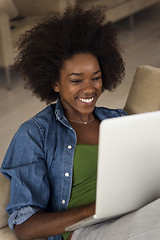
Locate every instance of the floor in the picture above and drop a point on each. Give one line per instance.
(141, 46)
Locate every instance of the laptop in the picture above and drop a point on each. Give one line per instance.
(128, 174)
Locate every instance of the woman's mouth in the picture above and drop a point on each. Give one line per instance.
(86, 100)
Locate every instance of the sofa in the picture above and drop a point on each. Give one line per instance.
(144, 96)
(17, 16)
(117, 9)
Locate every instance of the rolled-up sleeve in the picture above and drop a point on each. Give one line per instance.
(25, 166)
(20, 216)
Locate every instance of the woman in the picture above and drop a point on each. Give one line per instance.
(52, 158)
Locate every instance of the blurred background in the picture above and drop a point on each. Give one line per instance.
(139, 36)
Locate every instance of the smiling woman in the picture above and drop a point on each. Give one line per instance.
(52, 160)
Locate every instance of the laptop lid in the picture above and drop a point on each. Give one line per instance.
(128, 164)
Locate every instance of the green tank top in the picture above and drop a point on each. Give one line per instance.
(84, 177)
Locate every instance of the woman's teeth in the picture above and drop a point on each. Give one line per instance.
(86, 100)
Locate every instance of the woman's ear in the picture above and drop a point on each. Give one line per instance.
(56, 87)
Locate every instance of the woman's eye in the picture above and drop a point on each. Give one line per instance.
(96, 78)
(76, 81)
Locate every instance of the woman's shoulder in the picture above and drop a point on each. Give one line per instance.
(47, 111)
(109, 112)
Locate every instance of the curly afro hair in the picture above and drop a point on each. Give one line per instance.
(59, 36)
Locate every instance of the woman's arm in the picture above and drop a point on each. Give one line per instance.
(44, 224)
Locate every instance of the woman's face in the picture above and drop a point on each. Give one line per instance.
(80, 85)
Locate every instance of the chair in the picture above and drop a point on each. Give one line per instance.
(144, 96)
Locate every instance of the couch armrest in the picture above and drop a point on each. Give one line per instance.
(7, 234)
(4, 199)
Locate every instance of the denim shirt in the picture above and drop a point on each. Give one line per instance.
(39, 162)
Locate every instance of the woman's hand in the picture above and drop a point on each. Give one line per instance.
(89, 209)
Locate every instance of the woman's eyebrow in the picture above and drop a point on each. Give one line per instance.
(97, 71)
(75, 74)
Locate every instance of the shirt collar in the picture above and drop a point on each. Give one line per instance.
(60, 113)
(59, 110)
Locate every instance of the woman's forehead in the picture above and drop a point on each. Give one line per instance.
(81, 62)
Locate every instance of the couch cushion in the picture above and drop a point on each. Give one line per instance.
(144, 95)
(8, 7)
(4, 199)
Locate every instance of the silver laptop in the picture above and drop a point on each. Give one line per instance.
(128, 174)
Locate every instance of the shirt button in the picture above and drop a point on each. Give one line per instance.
(63, 201)
(66, 174)
(69, 146)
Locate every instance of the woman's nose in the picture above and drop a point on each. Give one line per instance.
(88, 88)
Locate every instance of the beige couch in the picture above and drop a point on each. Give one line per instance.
(144, 96)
